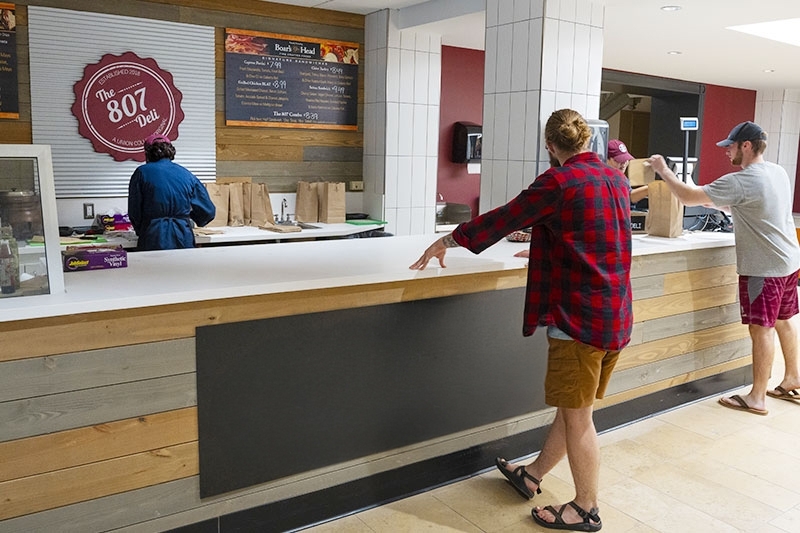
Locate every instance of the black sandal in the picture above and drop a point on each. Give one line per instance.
(591, 518)
(517, 477)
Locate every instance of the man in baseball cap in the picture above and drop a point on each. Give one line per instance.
(619, 157)
(618, 152)
(767, 257)
(746, 131)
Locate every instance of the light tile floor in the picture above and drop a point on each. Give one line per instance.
(699, 468)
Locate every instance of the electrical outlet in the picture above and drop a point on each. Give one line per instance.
(356, 185)
(88, 211)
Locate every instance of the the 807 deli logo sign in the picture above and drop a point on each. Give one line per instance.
(121, 100)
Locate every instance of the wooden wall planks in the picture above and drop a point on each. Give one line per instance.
(74, 447)
(95, 480)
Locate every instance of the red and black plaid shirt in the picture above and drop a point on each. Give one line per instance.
(580, 256)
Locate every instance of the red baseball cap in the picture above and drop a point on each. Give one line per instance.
(618, 151)
(156, 138)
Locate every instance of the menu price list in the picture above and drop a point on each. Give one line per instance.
(286, 90)
(9, 96)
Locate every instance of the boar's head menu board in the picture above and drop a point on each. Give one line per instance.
(9, 96)
(289, 81)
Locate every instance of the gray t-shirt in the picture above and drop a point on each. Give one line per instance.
(760, 197)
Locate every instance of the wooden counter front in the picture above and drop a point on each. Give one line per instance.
(98, 387)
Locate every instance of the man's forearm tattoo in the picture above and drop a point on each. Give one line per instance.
(449, 241)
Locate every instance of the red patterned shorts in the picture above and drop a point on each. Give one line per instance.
(763, 301)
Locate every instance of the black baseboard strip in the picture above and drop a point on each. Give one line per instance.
(382, 488)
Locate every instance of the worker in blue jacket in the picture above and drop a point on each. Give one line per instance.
(164, 198)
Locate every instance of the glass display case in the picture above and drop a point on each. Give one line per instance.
(30, 253)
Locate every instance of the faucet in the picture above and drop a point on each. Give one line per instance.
(284, 205)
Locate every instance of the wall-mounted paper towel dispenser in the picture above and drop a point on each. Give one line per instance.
(467, 142)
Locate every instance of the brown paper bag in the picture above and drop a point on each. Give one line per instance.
(665, 214)
(307, 202)
(280, 228)
(219, 196)
(235, 205)
(331, 203)
(640, 173)
(246, 192)
(260, 205)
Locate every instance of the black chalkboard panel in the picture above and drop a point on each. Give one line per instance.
(9, 97)
(288, 81)
(286, 395)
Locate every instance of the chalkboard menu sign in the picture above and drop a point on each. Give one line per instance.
(289, 81)
(9, 96)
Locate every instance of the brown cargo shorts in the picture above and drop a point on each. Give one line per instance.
(576, 373)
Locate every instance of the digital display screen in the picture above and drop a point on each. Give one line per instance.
(688, 123)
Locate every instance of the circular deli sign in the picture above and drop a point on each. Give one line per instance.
(121, 100)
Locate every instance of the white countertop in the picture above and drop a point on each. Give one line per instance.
(175, 276)
(253, 234)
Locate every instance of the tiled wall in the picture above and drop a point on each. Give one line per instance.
(778, 112)
(401, 126)
(541, 55)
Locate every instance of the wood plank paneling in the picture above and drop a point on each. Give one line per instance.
(673, 304)
(70, 410)
(692, 280)
(635, 376)
(684, 281)
(667, 347)
(631, 394)
(66, 449)
(240, 152)
(45, 491)
(242, 136)
(686, 322)
(16, 132)
(86, 370)
(165, 501)
(652, 264)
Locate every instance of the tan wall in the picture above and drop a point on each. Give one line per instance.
(276, 156)
(98, 420)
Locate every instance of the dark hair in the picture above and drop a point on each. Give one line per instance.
(568, 130)
(158, 151)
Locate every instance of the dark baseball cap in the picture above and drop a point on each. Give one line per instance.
(746, 131)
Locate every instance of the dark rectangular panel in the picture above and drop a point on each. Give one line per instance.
(281, 396)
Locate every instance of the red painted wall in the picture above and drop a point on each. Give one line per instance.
(723, 108)
(461, 101)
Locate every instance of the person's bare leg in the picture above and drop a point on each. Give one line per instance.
(763, 340)
(553, 451)
(787, 333)
(583, 453)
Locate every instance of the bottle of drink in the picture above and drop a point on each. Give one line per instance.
(8, 274)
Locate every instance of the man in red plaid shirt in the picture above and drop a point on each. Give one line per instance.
(579, 288)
